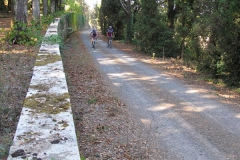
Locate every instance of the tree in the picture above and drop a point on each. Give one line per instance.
(19, 19)
(183, 23)
(205, 32)
(126, 4)
(216, 27)
(147, 27)
(111, 13)
(58, 5)
(229, 39)
(2, 6)
(36, 10)
(94, 15)
(20, 8)
(45, 7)
(53, 6)
(9, 4)
(171, 12)
(18, 22)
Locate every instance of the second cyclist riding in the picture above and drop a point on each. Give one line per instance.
(94, 35)
(110, 36)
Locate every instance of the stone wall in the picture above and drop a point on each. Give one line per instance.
(46, 128)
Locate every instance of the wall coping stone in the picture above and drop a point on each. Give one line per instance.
(46, 128)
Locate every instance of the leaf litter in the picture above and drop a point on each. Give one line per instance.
(104, 125)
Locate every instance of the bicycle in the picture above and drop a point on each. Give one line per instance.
(110, 42)
(93, 43)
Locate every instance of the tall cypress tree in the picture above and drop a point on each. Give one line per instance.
(111, 15)
(229, 39)
(147, 26)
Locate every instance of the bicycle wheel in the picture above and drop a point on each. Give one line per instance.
(110, 43)
(93, 44)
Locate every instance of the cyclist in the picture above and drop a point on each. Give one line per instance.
(93, 34)
(110, 33)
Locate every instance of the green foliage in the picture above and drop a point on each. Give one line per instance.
(229, 39)
(94, 15)
(83, 158)
(146, 27)
(166, 42)
(53, 39)
(151, 32)
(204, 32)
(7, 114)
(219, 31)
(47, 20)
(111, 13)
(2, 30)
(22, 34)
(4, 146)
(77, 21)
(73, 6)
(92, 100)
(183, 28)
(238, 90)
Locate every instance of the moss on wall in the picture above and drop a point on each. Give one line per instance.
(48, 103)
(46, 58)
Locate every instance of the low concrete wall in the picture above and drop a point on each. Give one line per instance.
(46, 128)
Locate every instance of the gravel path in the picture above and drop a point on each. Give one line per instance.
(188, 122)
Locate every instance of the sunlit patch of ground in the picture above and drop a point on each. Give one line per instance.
(185, 72)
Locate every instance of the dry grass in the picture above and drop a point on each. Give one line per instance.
(15, 75)
(16, 64)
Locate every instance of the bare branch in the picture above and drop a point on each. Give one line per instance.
(124, 6)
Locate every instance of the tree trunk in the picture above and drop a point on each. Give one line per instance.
(36, 10)
(53, 6)
(184, 19)
(128, 10)
(20, 10)
(12, 12)
(129, 28)
(171, 14)
(182, 48)
(58, 5)
(45, 7)
(9, 5)
(20, 18)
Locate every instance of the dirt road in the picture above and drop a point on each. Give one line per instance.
(187, 122)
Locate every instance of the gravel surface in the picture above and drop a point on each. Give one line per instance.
(104, 125)
(186, 122)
